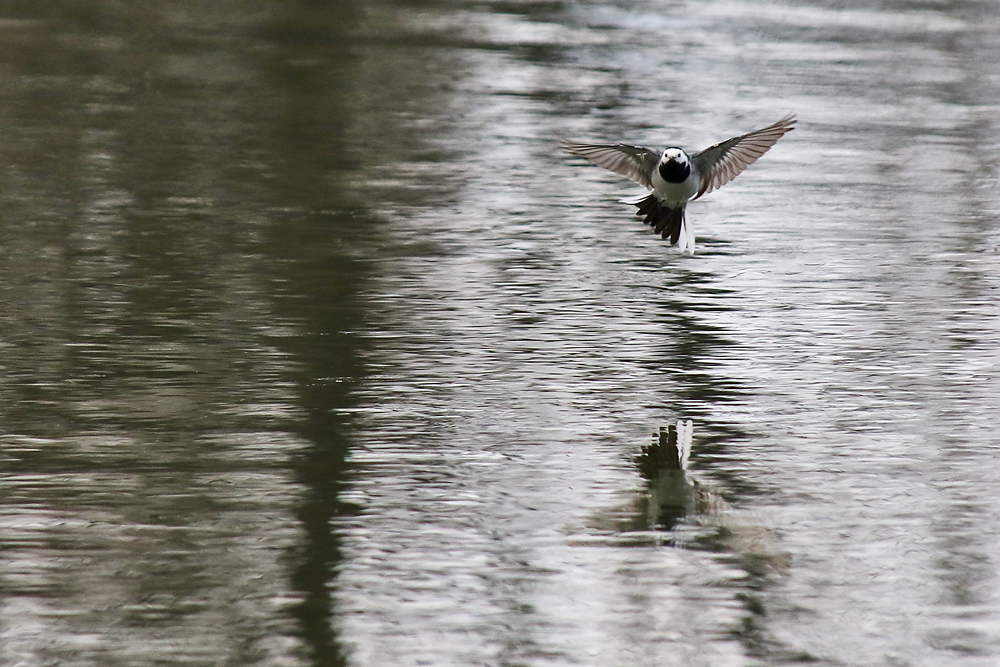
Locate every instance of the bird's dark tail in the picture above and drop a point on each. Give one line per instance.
(664, 220)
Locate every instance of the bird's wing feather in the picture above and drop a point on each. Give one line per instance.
(724, 161)
(635, 162)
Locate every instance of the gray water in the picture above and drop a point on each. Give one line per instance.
(316, 350)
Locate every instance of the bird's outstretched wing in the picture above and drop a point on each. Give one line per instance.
(635, 162)
(724, 161)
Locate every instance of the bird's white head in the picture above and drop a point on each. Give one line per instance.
(675, 166)
(674, 155)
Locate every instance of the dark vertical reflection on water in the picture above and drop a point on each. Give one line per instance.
(141, 405)
(179, 292)
(690, 360)
(327, 370)
(318, 287)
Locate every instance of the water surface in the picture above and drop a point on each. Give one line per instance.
(316, 351)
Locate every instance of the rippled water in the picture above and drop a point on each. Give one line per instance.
(317, 351)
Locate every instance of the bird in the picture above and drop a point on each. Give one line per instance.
(676, 177)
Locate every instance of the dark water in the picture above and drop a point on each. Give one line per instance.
(315, 351)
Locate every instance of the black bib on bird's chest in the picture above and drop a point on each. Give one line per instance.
(675, 172)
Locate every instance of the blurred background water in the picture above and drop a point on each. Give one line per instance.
(316, 351)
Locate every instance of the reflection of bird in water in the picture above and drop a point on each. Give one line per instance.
(681, 507)
(669, 495)
(676, 178)
(664, 464)
(677, 494)
(674, 493)
(670, 450)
